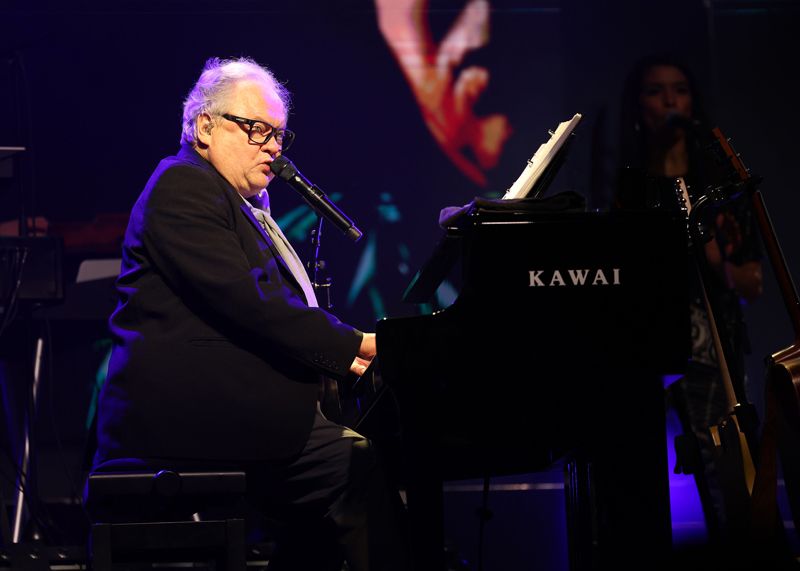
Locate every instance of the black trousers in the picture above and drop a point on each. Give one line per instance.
(333, 500)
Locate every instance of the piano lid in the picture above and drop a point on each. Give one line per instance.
(456, 221)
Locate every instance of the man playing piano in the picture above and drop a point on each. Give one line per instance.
(219, 343)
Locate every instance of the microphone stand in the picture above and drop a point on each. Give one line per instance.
(320, 282)
(329, 400)
(348, 403)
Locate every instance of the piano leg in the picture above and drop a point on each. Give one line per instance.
(425, 500)
(617, 489)
(581, 520)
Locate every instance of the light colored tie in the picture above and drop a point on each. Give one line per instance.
(287, 253)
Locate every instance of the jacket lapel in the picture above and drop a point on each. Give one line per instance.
(187, 153)
(260, 229)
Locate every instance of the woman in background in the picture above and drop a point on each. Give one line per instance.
(664, 138)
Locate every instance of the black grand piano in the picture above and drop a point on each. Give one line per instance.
(554, 351)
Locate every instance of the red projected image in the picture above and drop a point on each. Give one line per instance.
(445, 89)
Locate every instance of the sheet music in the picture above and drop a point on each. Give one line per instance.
(543, 157)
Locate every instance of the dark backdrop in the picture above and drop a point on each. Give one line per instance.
(94, 90)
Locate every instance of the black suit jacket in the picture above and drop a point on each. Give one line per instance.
(216, 353)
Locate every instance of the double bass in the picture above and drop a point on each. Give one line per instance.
(781, 429)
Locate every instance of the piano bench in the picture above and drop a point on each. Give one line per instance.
(154, 517)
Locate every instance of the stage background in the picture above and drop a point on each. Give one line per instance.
(94, 91)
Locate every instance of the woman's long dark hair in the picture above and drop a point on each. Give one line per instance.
(633, 136)
(635, 186)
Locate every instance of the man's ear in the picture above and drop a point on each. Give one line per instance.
(204, 126)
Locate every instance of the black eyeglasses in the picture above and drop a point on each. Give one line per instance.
(260, 132)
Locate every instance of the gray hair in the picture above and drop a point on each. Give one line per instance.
(219, 77)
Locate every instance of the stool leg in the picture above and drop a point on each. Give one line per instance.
(100, 547)
(235, 545)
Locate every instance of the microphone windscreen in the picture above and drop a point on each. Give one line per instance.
(676, 120)
(283, 167)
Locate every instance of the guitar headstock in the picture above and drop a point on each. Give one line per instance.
(730, 159)
(696, 230)
(685, 205)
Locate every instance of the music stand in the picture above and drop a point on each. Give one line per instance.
(31, 275)
(6, 171)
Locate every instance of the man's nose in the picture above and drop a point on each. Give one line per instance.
(272, 147)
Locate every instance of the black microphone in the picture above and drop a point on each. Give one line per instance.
(676, 120)
(698, 134)
(315, 198)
